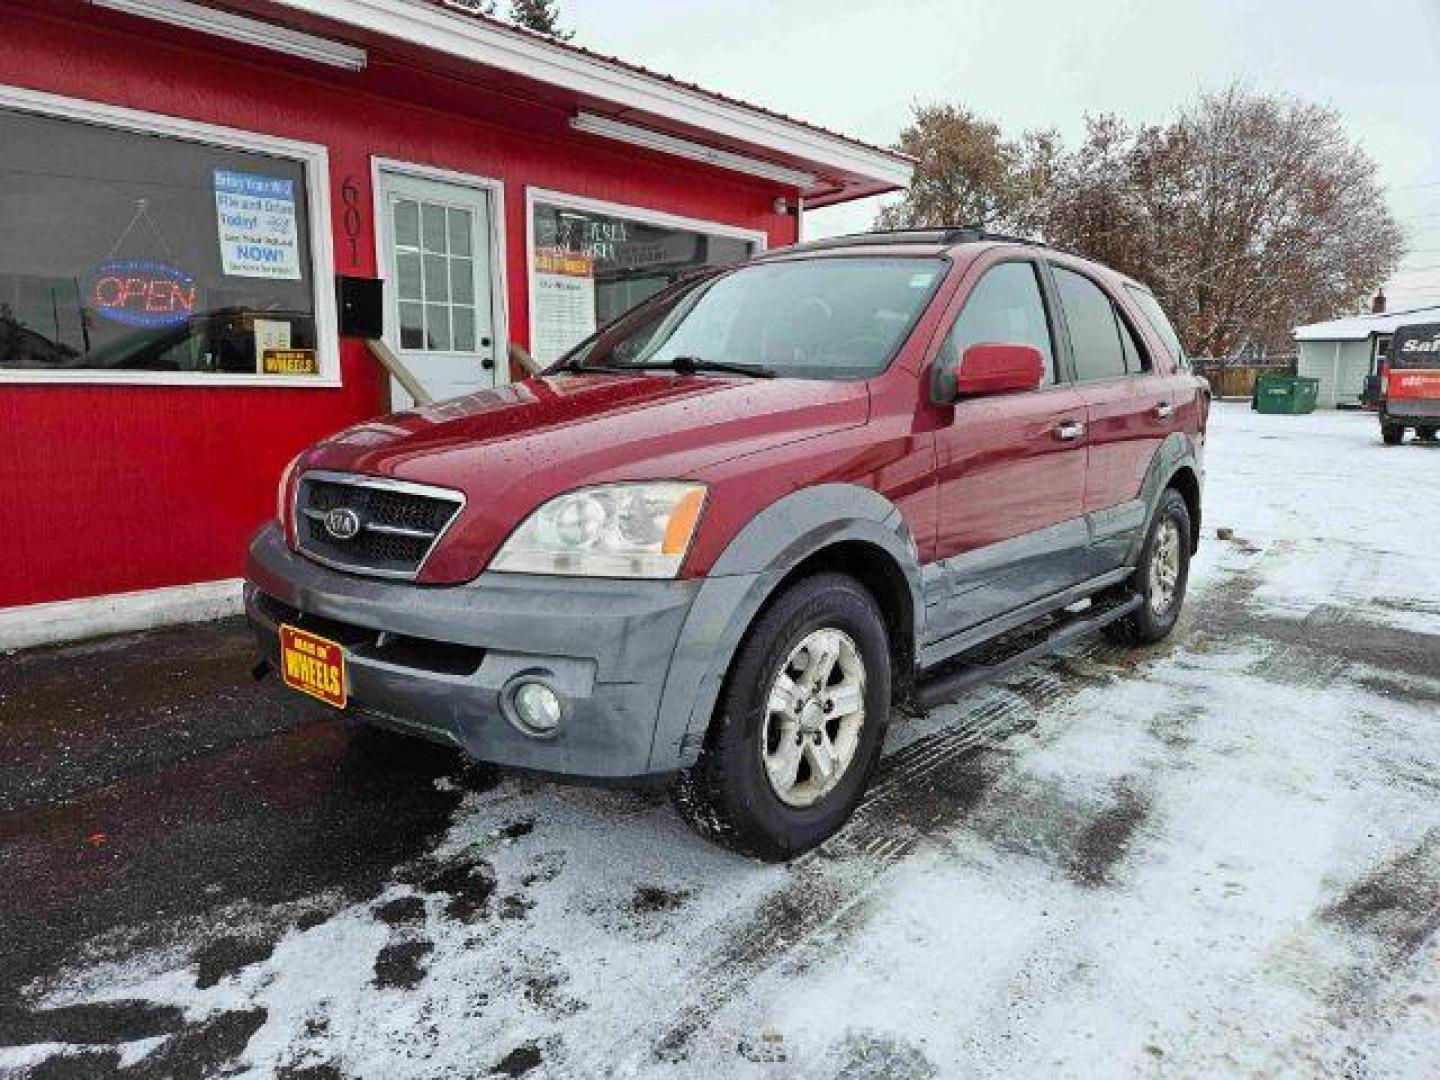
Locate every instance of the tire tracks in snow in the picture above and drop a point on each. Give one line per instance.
(932, 783)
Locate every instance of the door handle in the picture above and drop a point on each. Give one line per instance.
(1069, 431)
(1164, 410)
(488, 363)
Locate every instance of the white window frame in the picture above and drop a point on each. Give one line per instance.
(499, 281)
(315, 160)
(640, 214)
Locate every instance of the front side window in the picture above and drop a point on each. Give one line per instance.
(1005, 308)
(827, 318)
(1095, 329)
(122, 251)
(590, 267)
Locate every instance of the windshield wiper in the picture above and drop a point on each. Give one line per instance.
(694, 365)
(681, 365)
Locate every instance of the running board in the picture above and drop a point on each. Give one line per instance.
(1000, 657)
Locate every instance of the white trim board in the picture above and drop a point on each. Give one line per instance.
(456, 34)
(119, 613)
(313, 157)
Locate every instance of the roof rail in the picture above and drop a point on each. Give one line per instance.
(957, 234)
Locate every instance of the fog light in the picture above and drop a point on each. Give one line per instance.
(537, 707)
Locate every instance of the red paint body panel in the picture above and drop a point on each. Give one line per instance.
(1408, 384)
(180, 476)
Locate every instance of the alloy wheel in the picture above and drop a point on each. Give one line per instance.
(814, 715)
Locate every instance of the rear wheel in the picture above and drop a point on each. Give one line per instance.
(1426, 434)
(799, 724)
(1392, 434)
(1161, 578)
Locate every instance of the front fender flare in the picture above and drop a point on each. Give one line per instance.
(745, 577)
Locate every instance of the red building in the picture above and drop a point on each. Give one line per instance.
(183, 184)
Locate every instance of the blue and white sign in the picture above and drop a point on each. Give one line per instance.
(258, 236)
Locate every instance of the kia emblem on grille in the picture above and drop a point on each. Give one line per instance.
(342, 523)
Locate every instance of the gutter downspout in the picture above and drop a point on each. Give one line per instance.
(1335, 383)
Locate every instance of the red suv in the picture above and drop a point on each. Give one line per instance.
(724, 536)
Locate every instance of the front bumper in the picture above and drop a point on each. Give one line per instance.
(437, 661)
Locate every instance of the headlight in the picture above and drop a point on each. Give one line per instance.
(282, 503)
(619, 530)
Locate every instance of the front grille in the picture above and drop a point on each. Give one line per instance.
(399, 523)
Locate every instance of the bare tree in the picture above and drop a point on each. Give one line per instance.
(1247, 213)
(969, 174)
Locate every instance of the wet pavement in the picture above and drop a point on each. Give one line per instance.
(1235, 836)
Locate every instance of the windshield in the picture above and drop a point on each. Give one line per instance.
(835, 318)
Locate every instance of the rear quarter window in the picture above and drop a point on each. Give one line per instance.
(1155, 315)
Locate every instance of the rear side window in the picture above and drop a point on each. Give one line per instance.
(1155, 314)
(1095, 329)
(1005, 308)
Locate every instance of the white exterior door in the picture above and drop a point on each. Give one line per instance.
(436, 245)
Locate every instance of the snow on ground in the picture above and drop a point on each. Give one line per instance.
(1218, 857)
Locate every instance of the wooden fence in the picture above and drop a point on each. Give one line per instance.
(1236, 378)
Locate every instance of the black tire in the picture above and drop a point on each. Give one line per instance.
(1146, 625)
(727, 796)
(1425, 434)
(1392, 434)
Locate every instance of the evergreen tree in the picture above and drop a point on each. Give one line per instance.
(542, 16)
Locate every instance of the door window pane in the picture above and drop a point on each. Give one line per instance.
(412, 326)
(1094, 332)
(461, 227)
(437, 279)
(1162, 325)
(437, 328)
(124, 251)
(591, 267)
(1005, 308)
(432, 228)
(462, 281)
(407, 223)
(408, 276)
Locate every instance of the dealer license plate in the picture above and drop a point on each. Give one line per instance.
(312, 665)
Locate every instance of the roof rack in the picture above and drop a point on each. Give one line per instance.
(956, 234)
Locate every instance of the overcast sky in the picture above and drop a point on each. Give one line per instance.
(858, 65)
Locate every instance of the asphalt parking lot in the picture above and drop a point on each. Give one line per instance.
(1217, 857)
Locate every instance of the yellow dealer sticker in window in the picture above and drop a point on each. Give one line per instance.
(290, 362)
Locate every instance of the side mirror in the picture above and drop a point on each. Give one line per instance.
(999, 369)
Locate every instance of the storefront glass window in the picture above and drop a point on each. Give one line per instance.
(592, 267)
(122, 251)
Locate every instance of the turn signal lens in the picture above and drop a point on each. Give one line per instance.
(683, 520)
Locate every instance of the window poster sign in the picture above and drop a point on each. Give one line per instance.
(256, 219)
(563, 303)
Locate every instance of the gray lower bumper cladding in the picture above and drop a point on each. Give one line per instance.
(443, 661)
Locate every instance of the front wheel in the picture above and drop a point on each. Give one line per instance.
(1426, 434)
(1392, 434)
(1161, 577)
(799, 724)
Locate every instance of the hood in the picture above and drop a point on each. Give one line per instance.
(512, 448)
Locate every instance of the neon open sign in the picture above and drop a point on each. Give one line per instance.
(143, 292)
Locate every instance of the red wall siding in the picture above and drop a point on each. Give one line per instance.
(115, 488)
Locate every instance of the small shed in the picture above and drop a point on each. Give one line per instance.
(1342, 352)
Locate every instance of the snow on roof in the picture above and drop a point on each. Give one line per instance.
(1360, 327)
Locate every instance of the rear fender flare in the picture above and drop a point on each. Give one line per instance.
(745, 577)
(1174, 455)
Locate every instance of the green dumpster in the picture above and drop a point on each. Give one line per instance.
(1289, 394)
